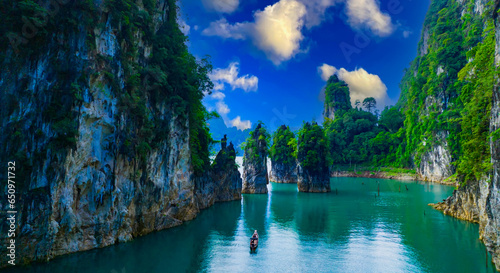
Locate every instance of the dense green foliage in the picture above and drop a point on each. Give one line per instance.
(478, 77)
(312, 152)
(446, 92)
(337, 96)
(256, 147)
(358, 136)
(369, 104)
(284, 148)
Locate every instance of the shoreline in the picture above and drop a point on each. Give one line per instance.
(391, 175)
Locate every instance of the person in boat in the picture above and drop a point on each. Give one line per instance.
(254, 239)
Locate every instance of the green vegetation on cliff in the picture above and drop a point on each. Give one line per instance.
(256, 147)
(449, 90)
(478, 78)
(445, 101)
(284, 148)
(337, 96)
(356, 135)
(169, 78)
(312, 152)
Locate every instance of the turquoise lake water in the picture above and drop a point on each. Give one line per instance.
(350, 229)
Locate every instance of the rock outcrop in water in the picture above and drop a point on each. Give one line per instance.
(312, 171)
(105, 148)
(312, 181)
(223, 181)
(283, 156)
(283, 173)
(255, 177)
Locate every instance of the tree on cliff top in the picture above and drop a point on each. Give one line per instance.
(256, 146)
(369, 103)
(337, 97)
(312, 148)
(284, 148)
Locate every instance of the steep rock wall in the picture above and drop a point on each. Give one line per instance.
(223, 181)
(479, 201)
(283, 173)
(255, 175)
(312, 182)
(436, 163)
(84, 180)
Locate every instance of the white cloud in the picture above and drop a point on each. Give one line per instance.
(230, 75)
(222, 28)
(366, 13)
(361, 83)
(224, 6)
(276, 30)
(316, 10)
(406, 33)
(240, 124)
(326, 71)
(222, 108)
(218, 95)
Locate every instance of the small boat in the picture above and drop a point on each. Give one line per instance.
(254, 242)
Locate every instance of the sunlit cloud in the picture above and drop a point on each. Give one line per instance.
(361, 83)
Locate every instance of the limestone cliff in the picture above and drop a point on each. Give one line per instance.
(312, 170)
(312, 182)
(223, 181)
(100, 135)
(255, 176)
(337, 97)
(283, 156)
(436, 162)
(283, 173)
(478, 200)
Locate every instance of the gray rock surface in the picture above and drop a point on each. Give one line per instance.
(255, 176)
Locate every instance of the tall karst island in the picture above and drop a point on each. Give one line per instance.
(313, 166)
(283, 155)
(255, 175)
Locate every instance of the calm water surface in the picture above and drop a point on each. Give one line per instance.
(349, 231)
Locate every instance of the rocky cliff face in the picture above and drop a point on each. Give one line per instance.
(337, 97)
(479, 201)
(91, 169)
(223, 181)
(283, 156)
(313, 174)
(255, 176)
(312, 182)
(283, 173)
(436, 163)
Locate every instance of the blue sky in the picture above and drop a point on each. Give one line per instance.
(271, 58)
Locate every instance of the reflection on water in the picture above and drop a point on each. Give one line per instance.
(355, 230)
